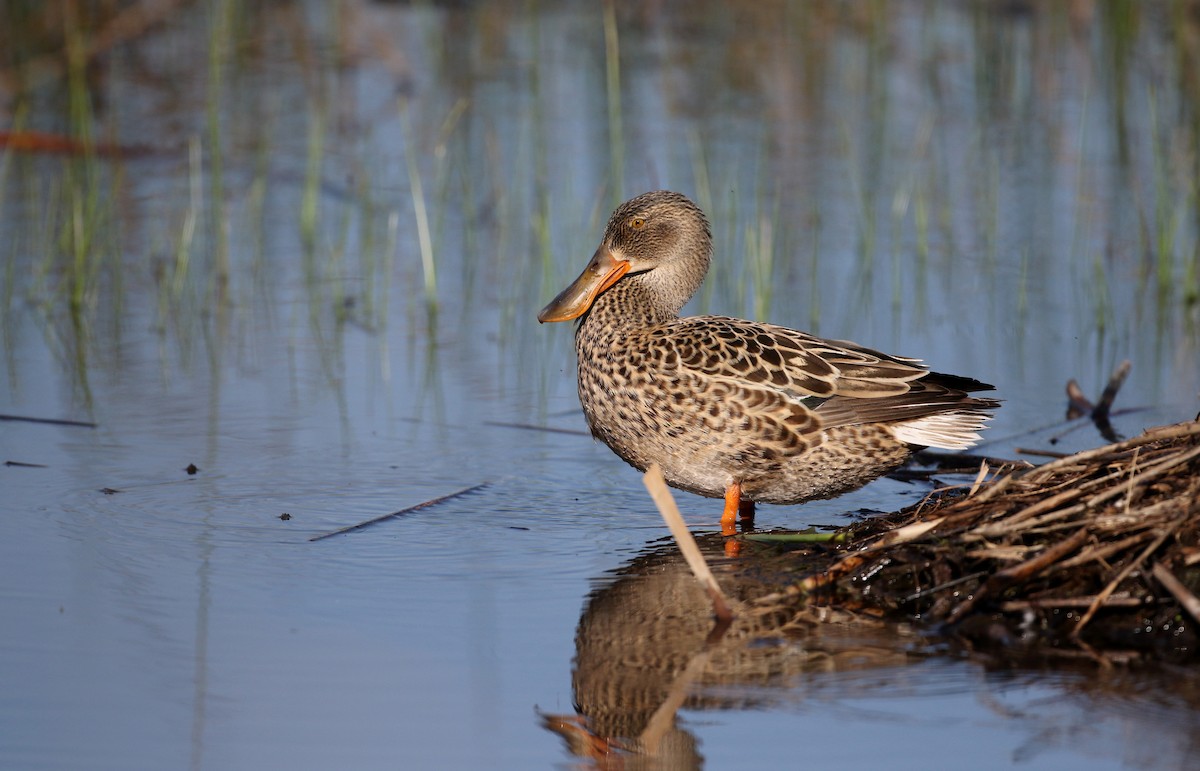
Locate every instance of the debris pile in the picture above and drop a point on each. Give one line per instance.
(1096, 552)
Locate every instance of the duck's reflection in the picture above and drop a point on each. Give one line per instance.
(647, 645)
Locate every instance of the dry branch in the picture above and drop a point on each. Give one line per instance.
(657, 486)
(1075, 548)
(1173, 585)
(401, 512)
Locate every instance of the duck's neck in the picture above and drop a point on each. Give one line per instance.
(629, 305)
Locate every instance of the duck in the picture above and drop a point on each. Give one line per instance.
(747, 411)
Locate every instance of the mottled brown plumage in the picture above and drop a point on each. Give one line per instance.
(741, 409)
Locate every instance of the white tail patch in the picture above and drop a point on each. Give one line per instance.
(945, 430)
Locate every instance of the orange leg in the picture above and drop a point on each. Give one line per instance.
(733, 503)
(736, 508)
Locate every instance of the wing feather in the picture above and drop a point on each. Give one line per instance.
(788, 385)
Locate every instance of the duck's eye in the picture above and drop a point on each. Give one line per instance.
(637, 223)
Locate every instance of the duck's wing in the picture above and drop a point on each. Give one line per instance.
(937, 411)
(782, 359)
(790, 385)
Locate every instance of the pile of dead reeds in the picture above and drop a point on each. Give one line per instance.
(1094, 550)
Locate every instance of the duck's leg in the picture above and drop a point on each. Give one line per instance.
(733, 504)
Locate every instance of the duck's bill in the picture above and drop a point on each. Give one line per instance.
(604, 270)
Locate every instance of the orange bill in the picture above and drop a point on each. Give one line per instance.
(601, 272)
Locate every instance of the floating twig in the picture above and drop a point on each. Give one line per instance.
(831, 537)
(533, 427)
(401, 512)
(958, 460)
(1040, 453)
(48, 421)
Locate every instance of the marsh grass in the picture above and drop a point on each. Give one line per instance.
(9, 260)
(1091, 261)
(254, 222)
(908, 210)
(82, 213)
(443, 177)
(864, 203)
(814, 271)
(1169, 209)
(363, 306)
(760, 253)
(220, 34)
(310, 197)
(420, 213)
(171, 292)
(468, 206)
(382, 302)
(704, 192)
(612, 82)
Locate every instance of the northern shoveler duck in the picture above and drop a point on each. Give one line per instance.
(738, 409)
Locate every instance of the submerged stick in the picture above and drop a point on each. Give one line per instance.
(401, 512)
(657, 486)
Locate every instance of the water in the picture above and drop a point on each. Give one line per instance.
(1005, 190)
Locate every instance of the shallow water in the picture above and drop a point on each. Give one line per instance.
(1007, 190)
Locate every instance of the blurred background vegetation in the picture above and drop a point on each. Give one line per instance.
(873, 169)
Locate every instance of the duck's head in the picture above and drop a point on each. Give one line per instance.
(659, 241)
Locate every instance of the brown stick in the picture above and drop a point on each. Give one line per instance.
(1112, 585)
(532, 427)
(1147, 474)
(1173, 585)
(657, 487)
(1103, 552)
(1152, 435)
(1100, 411)
(1020, 572)
(1078, 405)
(1017, 606)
